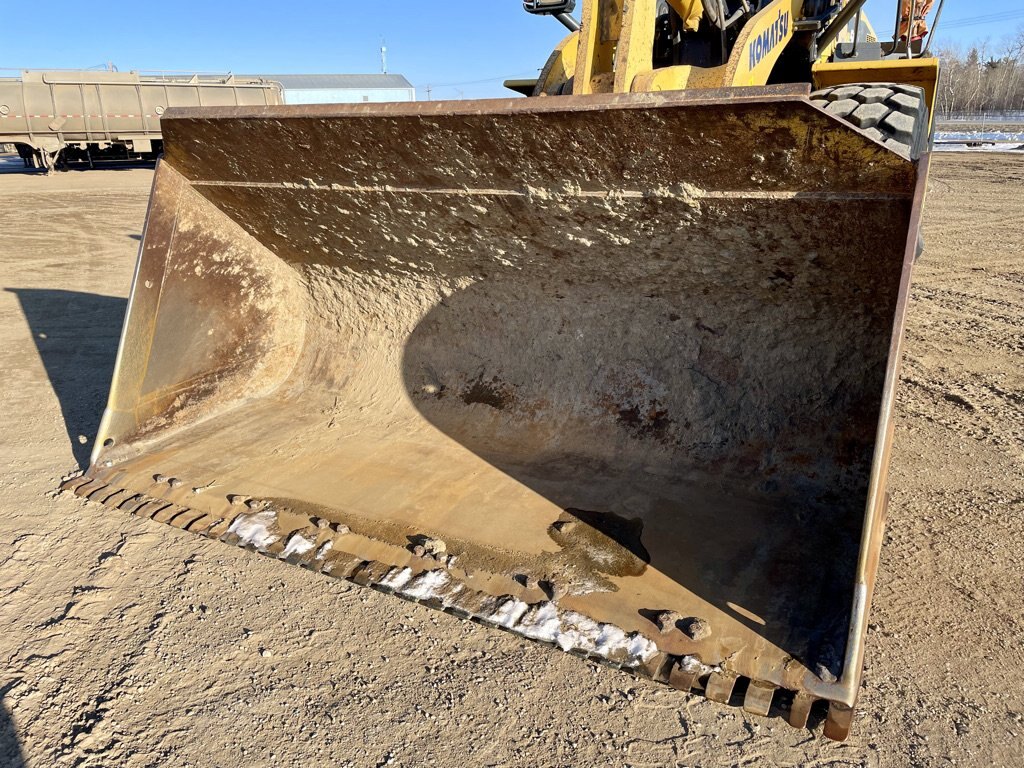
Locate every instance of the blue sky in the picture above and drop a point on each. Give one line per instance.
(462, 49)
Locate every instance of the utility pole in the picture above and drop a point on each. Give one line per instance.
(383, 57)
(429, 89)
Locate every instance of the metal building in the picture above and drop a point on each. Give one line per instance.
(342, 89)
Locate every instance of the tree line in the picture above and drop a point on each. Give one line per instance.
(981, 79)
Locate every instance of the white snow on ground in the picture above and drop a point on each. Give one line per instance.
(508, 613)
(997, 141)
(297, 545)
(421, 587)
(427, 584)
(574, 631)
(540, 621)
(998, 147)
(544, 622)
(324, 549)
(397, 578)
(255, 529)
(693, 664)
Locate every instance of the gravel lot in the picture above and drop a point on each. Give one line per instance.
(129, 643)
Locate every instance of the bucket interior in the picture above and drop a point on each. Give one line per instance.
(648, 379)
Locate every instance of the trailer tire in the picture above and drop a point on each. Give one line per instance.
(892, 113)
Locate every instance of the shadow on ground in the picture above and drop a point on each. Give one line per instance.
(10, 748)
(11, 164)
(77, 336)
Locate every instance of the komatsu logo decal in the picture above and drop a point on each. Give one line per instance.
(761, 45)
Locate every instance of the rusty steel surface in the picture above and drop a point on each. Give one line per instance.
(614, 372)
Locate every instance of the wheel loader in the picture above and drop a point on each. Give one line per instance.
(611, 367)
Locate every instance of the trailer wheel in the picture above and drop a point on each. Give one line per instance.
(892, 113)
(46, 160)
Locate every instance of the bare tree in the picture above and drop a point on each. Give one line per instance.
(979, 81)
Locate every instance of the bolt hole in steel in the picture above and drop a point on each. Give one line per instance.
(4, 109)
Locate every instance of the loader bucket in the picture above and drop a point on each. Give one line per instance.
(613, 372)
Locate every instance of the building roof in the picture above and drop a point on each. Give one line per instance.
(309, 82)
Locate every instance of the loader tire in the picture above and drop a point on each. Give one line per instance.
(894, 114)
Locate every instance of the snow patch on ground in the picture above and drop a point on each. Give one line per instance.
(324, 549)
(427, 584)
(508, 613)
(256, 529)
(396, 578)
(297, 545)
(571, 631)
(979, 141)
(421, 586)
(574, 631)
(538, 621)
(691, 664)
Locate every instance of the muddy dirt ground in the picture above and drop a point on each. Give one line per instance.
(130, 643)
